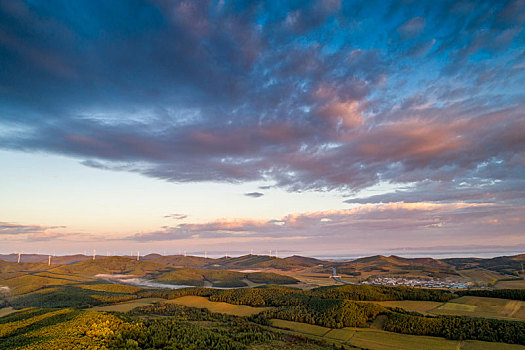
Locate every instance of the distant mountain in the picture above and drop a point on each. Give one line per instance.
(237, 263)
(508, 265)
(111, 265)
(305, 260)
(9, 269)
(179, 260)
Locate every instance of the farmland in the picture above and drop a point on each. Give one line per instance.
(483, 307)
(225, 308)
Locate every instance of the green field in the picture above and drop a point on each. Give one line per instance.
(219, 307)
(483, 307)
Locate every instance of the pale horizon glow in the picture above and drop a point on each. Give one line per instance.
(322, 128)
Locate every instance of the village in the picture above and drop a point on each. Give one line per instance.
(414, 282)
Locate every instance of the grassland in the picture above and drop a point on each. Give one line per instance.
(219, 307)
(483, 307)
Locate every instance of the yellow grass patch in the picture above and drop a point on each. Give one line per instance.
(219, 307)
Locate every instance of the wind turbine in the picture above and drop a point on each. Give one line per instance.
(276, 253)
(138, 255)
(19, 257)
(251, 251)
(94, 253)
(49, 261)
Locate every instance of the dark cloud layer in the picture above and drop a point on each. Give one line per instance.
(254, 194)
(309, 95)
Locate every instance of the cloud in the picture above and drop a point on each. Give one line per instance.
(412, 28)
(254, 194)
(176, 216)
(378, 225)
(210, 91)
(7, 228)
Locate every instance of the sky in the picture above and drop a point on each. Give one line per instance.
(321, 128)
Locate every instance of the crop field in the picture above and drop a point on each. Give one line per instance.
(422, 307)
(219, 307)
(483, 307)
(127, 306)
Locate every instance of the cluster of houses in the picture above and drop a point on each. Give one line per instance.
(414, 282)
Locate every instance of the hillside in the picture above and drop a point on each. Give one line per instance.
(111, 265)
(398, 266)
(507, 265)
(222, 278)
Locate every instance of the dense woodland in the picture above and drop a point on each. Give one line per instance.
(333, 307)
(455, 327)
(513, 294)
(185, 328)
